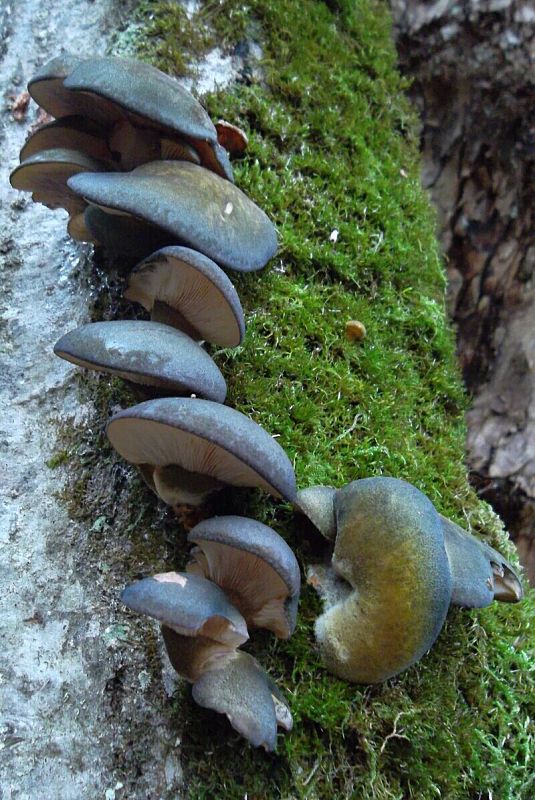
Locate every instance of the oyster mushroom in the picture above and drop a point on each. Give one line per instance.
(185, 289)
(71, 133)
(396, 567)
(195, 206)
(146, 353)
(254, 566)
(149, 114)
(46, 173)
(188, 605)
(188, 448)
(201, 631)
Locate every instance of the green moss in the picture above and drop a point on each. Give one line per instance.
(333, 146)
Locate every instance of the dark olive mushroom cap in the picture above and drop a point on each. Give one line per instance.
(204, 437)
(242, 690)
(480, 574)
(150, 98)
(72, 133)
(190, 605)
(255, 566)
(123, 234)
(46, 175)
(390, 548)
(203, 298)
(147, 353)
(193, 204)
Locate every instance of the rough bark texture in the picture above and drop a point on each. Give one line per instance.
(473, 70)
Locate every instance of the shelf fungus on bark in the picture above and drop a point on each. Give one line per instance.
(187, 448)
(202, 631)
(397, 565)
(187, 290)
(156, 357)
(255, 567)
(196, 207)
(147, 115)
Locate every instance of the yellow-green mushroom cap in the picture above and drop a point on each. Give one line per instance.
(197, 207)
(202, 437)
(252, 703)
(149, 98)
(46, 175)
(181, 287)
(189, 605)
(255, 567)
(146, 353)
(390, 551)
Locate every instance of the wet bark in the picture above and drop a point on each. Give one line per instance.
(473, 70)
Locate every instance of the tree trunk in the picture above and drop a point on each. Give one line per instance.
(473, 70)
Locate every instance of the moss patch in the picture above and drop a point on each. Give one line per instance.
(333, 147)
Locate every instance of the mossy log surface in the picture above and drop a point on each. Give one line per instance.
(333, 147)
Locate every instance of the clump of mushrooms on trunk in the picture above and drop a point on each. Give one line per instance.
(140, 168)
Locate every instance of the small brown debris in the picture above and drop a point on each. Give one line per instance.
(43, 118)
(355, 330)
(19, 107)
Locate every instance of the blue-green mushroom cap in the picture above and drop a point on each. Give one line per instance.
(203, 437)
(199, 208)
(146, 353)
(254, 565)
(190, 605)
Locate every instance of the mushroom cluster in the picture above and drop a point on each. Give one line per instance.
(396, 567)
(141, 170)
(242, 575)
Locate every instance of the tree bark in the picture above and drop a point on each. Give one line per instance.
(473, 70)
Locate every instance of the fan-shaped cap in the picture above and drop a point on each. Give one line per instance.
(196, 206)
(147, 353)
(149, 98)
(46, 86)
(203, 437)
(254, 565)
(71, 133)
(188, 290)
(190, 605)
(480, 574)
(252, 703)
(46, 175)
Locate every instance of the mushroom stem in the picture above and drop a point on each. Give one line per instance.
(177, 486)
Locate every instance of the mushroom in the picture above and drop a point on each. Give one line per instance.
(251, 701)
(122, 234)
(149, 113)
(46, 174)
(201, 631)
(185, 289)
(254, 566)
(198, 208)
(146, 353)
(177, 438)
(233, 139)
(396, 567)
(71, 133)
(189, 605)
